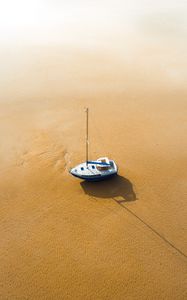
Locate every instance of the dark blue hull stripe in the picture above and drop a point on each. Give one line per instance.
(98, 163)
(95, 177)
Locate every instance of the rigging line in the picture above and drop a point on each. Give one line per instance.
(152, 229)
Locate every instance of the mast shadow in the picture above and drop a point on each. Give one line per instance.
(117, 186)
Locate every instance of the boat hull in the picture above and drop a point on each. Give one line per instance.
(95, 177)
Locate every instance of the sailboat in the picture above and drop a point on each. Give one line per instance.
(94, 170)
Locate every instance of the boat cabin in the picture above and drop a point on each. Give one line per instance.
(106, 165)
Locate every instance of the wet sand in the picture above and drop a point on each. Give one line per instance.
(66, 239)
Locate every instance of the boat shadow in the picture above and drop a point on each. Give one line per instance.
(116, 187)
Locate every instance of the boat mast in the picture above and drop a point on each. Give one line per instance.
(87, 142)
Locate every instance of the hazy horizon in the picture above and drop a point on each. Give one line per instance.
(89, 23)
(143, 39)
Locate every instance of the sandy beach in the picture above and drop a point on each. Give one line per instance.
(63, 238)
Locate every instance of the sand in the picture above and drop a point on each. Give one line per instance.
(63, 238)
(66, 239)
